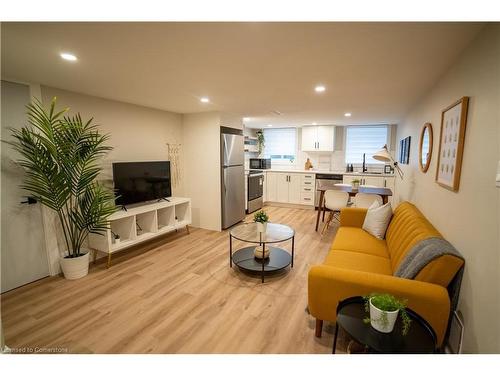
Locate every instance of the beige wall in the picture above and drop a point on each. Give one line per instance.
(137, 133)
(201, 144)
(469, 219)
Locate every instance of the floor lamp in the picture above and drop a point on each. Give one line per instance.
(384, 155)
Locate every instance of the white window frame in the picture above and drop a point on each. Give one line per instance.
(283, 162)
(369, 161)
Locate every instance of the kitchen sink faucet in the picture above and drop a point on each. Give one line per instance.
(365, 169)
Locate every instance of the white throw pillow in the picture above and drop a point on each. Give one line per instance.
(377, 219)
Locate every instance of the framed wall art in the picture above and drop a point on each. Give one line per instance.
(451, 144)
(404, 150)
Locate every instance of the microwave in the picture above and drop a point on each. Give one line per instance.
(258, 163)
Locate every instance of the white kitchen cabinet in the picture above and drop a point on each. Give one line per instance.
(291, 187)
(318, 138)
(373, 181)
(309, 138)
(271, 185)
(326, 136)
(294, 188)
(282, 186)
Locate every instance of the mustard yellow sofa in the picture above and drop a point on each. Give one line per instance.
(359, 264)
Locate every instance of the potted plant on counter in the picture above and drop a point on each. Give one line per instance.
(384, 310)
(62, 159)
(355, 183)
(261, 218)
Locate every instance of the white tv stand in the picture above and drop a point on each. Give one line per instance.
(142, 223)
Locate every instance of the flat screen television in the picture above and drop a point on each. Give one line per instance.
(141, 181)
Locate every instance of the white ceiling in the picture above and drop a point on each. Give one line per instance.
(377, 71)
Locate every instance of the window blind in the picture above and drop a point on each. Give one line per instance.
(364, 139)
(280, 143)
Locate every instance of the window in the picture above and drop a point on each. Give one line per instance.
(280, 144)
(364, 139)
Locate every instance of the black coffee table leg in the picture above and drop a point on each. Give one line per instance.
(230, 251)
(293, 248)
(263, 259)
(335, 338)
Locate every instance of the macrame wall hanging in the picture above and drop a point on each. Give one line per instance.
(174, 151)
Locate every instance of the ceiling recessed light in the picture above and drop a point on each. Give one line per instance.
(204, 100)
(68, 56)
(348, 114)
(320, 88)
(269, 125)
(315, 123)
(246, 118)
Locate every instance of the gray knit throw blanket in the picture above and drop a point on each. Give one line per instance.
(425, 252)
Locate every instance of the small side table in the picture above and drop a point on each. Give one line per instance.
(420, 338)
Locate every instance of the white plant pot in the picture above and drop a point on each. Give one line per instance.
(261, 227)
(117, 241)
(75, 268)
(378, 322)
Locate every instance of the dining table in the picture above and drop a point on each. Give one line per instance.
(385, 193)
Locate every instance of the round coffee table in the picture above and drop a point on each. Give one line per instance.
(245, 259)
(419, 339)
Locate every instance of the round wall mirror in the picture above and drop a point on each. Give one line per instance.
(425, 147)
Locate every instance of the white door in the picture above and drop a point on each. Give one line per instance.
(326, 136)
(309, 138)
(271, 182)
(294, 188)
(282, 187)
(23, 255)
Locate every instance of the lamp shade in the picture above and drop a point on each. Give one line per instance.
(383, 155)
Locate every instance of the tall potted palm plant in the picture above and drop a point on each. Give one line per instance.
(61, 156)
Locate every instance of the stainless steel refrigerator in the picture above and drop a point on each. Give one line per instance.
(232, 176)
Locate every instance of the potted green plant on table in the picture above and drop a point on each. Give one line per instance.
(261, 218)
(355, 183)
(384, 309)
(62, 159)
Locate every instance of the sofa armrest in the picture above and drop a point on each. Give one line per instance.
(327, 286)
(352, 217)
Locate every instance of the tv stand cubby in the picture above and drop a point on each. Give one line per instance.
(142, 223)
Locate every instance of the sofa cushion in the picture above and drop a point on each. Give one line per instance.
(408, 226)
(360, 241)
(377, 219)
(358, 261)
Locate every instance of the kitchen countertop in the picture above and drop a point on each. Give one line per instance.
(315, 171)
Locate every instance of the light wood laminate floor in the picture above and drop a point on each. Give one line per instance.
(176, 295)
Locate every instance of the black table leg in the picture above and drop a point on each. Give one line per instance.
(263, 259)
(230, 251)
(293, 248)
(335, 338)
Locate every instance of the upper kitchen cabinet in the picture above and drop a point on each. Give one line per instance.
(318, 138)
